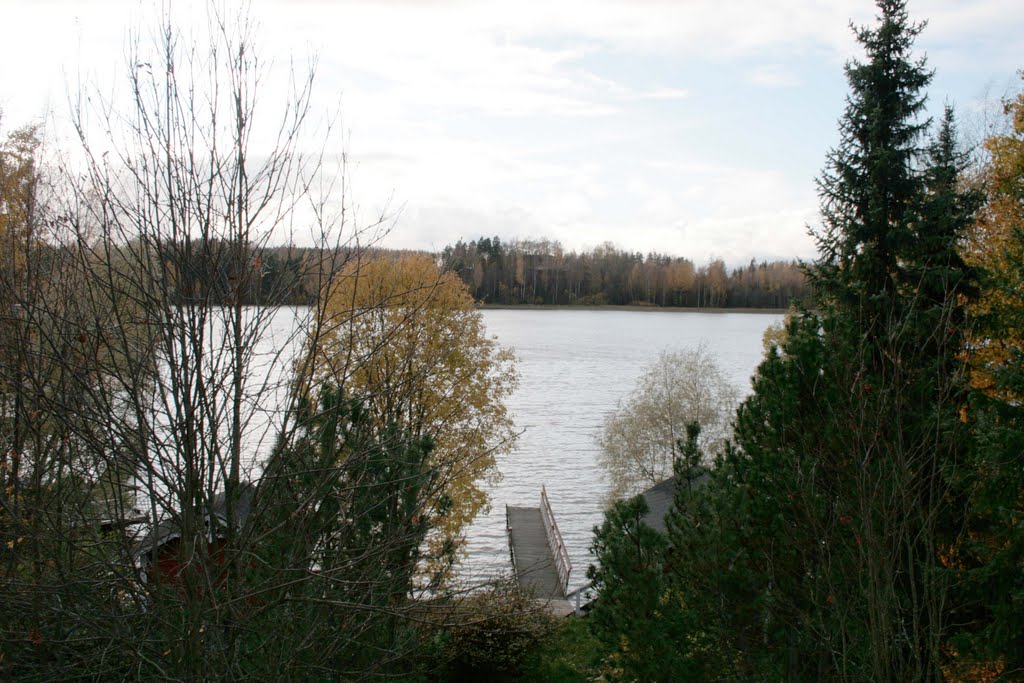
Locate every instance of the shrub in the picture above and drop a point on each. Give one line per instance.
(494, 633)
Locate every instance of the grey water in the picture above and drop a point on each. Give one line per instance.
(575, 366)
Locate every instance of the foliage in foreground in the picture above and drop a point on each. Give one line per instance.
(493, 634)
(410, 341)
(864, 522)
(991, 554)
(642, 620)
(133, 374)
(570, 655)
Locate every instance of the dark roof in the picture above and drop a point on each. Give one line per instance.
(168, 529)
(659, 500)
(246, 492)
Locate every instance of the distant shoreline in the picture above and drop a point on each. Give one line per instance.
(650, 309)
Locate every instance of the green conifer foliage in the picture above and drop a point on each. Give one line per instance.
(841, 481)
(340, 517)
(644, 625)
(819, 547)
(870, 187)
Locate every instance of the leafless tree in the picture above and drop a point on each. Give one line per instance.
(152, 377)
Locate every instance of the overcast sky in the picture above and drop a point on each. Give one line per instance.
(688, 127)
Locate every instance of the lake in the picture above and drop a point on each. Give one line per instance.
(575, 366)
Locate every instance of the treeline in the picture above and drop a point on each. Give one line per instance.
(215, 271)
(496, 272)
(542, 272)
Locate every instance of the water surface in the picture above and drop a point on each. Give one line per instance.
(575, 365)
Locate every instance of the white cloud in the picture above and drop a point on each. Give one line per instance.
(666, 94)
(773, 76)
(534, 118)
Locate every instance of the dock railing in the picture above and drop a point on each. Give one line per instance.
(558, 552)
(511, 545)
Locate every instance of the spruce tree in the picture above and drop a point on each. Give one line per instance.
(707, 568)
(344, 502)
(845, 449)
(645, 628)
(871, 186)
(823, 534)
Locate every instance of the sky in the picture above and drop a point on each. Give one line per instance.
(688, 127)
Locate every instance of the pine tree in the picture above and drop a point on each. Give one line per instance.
(643, 624)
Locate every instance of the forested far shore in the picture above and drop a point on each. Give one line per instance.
(542, 272)
(517, 272)
(630, 308)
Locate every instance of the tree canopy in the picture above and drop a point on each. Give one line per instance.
(640, 438)
(991, 553)
(848, 530)
(409, 341)
(996, 247)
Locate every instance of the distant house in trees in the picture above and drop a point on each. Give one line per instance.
(157, 554)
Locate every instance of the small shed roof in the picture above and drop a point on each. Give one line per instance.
(659, 500)
(168, 529)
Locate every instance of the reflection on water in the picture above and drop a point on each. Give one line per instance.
(574, 367)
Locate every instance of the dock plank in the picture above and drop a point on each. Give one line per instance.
(531, 554)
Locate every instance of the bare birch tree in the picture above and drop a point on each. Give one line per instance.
(640, 438)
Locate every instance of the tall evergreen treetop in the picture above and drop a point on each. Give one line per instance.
(871, 184)
(849, 441)
(936, 271)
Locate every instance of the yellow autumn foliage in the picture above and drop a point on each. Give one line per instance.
(18, 178)
(996, 247)
(409, 341)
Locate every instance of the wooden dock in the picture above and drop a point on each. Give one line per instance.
(539, 558)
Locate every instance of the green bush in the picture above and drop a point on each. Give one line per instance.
(571, 654)
(495, 633)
